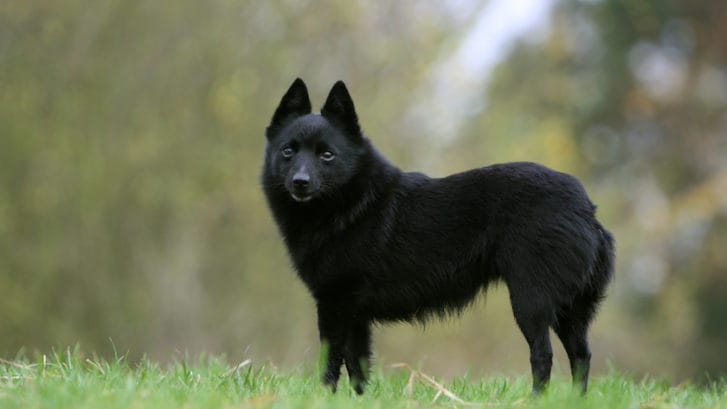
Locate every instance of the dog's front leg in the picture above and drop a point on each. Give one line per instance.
(358, 352)
(332, 320)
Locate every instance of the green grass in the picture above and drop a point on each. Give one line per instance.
(71, 380)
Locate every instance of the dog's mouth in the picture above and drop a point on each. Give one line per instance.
(301, 197)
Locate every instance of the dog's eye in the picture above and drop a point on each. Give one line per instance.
(327, 155)
(287, 152)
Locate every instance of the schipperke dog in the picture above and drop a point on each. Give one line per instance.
(375, 244)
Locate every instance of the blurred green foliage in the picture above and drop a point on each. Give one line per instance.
(131, 136)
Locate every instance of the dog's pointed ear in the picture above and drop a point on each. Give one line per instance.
(294, 103)
(339, 109)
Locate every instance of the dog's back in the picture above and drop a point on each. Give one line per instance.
(434, 243)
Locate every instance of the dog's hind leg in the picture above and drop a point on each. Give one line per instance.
(358, 353)
(573, 321)
(534, 318)
(572, 329)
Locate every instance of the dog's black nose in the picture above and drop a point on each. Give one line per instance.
(301, 181)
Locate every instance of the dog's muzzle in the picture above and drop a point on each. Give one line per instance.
(302, 189)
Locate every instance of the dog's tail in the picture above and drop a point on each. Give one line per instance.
(604, 262)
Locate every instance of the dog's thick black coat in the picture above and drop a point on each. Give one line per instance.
(375, 244)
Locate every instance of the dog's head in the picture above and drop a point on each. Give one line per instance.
(312, 155)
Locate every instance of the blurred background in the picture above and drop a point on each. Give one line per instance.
(131, 140)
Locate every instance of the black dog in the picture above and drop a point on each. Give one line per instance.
(376, 244)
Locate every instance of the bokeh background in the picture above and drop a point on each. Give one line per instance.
(131, 138)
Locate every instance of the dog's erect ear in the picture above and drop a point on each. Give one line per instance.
(339, 109)
(295, 102)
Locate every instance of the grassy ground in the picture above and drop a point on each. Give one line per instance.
(70, 380)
